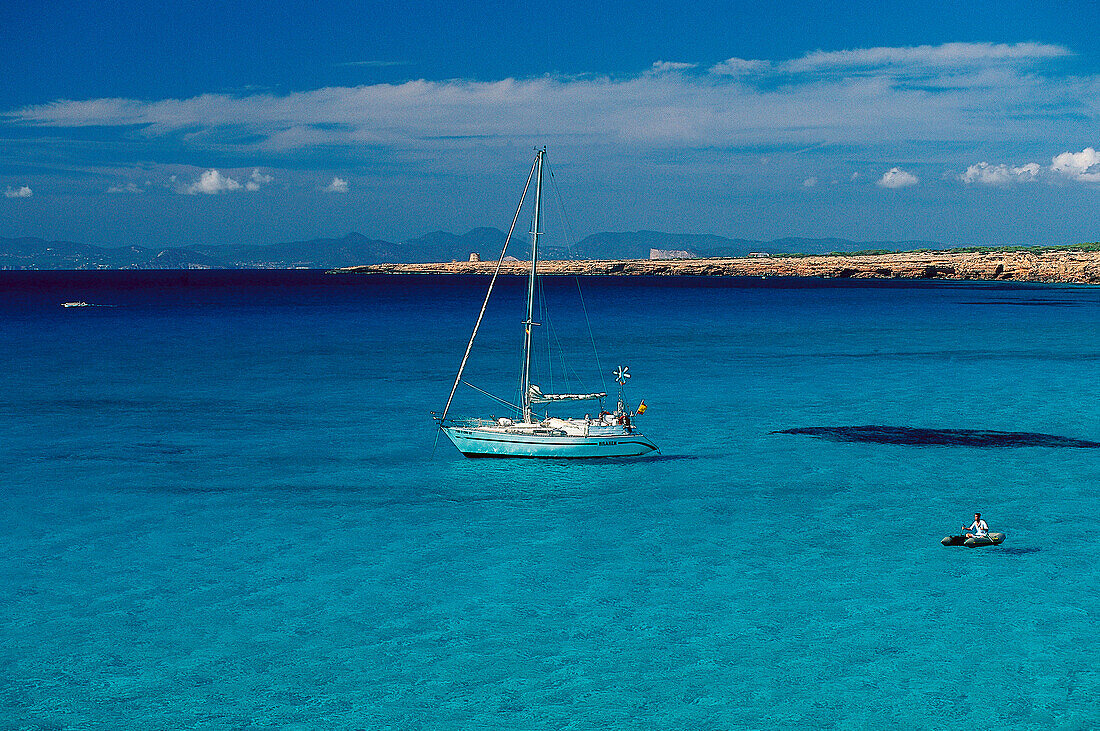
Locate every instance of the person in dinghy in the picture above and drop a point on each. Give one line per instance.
(979, 526)
(978, 534)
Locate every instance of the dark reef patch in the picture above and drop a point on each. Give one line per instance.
(938, 437)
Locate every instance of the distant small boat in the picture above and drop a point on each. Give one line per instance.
(992, 539)
(76, 304)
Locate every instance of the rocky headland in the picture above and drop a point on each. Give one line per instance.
(1053, 266)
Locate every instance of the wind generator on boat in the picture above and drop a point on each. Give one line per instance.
(609, 434)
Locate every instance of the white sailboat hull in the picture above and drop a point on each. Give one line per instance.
(488, 442)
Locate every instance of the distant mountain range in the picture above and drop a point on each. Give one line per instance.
(353, 249)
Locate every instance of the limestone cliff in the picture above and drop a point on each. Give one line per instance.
(1069, 266)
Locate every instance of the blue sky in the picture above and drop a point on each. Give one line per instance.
(176, 124)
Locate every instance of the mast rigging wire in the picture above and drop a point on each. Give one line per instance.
(569, 238)
(492, 282)
(506, 402)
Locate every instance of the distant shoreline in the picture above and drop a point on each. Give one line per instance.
(1050, 266)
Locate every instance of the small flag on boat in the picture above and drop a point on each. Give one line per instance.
(641, 408)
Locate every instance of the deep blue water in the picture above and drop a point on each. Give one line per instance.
(222, 508)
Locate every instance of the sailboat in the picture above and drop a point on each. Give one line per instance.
(608, 434)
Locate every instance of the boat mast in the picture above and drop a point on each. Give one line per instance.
(529, 322)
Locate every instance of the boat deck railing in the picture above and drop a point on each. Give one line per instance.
(470, 422)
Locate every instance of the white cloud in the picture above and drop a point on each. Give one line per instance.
(664, 67)
(946, 55)
(966, 92)
(20, 192)
(212, 182)
(739, 67)
(662, 109)
(987, 174)
(338, 185)
(1083, 166)
(257, 179)
(897, 178)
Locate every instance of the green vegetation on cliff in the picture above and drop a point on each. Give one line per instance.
(1094, 246)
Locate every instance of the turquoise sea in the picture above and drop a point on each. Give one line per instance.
(224, 507)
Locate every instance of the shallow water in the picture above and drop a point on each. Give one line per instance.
(222, 508)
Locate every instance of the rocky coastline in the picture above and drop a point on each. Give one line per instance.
(1050, 266)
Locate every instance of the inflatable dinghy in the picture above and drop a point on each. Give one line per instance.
(992, 539)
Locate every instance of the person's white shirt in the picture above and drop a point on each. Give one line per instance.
(979, 527)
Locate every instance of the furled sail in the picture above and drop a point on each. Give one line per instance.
(538, 397)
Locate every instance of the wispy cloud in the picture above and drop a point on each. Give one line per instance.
(126, 188)
(897, 178)
(257, 179)
(856, 110)
(338, 185)
(22, 191)
(665, 67)
(877, 100)
(740, 66)
(952, 57)
(948, 55)
(374, 64)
